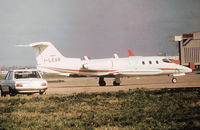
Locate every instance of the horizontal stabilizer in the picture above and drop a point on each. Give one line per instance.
(40, 44)
(22, 45)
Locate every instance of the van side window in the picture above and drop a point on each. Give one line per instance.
(157, 62)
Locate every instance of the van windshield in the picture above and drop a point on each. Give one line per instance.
(26, 74)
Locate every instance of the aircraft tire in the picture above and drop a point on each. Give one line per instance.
(115, 83)
(102, 83)
(174, 80)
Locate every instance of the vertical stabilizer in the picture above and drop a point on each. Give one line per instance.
(46, 53)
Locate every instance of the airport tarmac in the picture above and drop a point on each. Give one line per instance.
(89, 85)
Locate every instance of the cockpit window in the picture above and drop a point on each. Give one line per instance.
(167, 60)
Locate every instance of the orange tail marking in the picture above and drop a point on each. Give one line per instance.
(130, 53)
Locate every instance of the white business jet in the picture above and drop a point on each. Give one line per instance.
(50, 60)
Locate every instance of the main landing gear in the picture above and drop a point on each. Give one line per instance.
(116, 82)
(102, 82)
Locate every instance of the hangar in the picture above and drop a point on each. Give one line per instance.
(188, 48)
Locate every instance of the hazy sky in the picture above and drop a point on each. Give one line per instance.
(96, 28)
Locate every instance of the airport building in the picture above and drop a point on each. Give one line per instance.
(188, 48)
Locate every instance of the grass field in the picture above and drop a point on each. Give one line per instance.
(160, 109)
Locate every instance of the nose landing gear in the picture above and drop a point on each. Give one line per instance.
(174, 80)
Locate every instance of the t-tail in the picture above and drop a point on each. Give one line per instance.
(47, 56)
(46, 53)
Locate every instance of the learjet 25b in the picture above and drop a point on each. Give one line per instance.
(50, 60)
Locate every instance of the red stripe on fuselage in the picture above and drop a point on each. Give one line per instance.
(169, 69)
(138, 71)
(104, 71)
(82, 70)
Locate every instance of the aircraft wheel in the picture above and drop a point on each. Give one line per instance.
(102, 81)
(115, 83)
(174, 80)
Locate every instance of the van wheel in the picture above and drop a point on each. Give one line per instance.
(12, 92)
(2, 94)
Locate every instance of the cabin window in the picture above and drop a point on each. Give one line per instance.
(157, 62)
(143, 62)
(150, 62)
